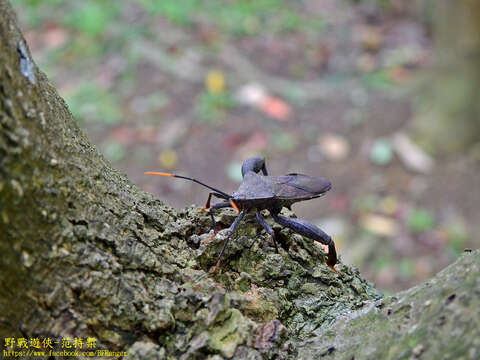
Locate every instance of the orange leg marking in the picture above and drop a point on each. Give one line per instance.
(234, 206)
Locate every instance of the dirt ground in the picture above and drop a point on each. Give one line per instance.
(326, 88)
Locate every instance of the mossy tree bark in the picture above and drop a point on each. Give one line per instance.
(85, 253)
(439, 319)
(449, 113)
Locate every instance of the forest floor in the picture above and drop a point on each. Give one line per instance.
(323, 87)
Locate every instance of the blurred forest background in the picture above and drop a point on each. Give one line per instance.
(341, 89)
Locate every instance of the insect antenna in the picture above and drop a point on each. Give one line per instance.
(227, 196)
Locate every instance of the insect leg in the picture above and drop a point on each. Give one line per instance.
(229, 234)
(267, 228)
(311, 231)
(217, 206)
(207, 205)
(254, 164)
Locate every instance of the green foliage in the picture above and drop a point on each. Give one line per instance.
(406, 269)
(89, 16)
(382, 261)
(92, 17)
(378, 80)
(420, 220)
(90, 104)
(211, 107)
(383, 3)
(237, 17)
(35, 12)
(35, 3)
(367, 202)
(382, 152)
(241, 17)
(179, 12)
(283, 141)
(234, 171)
(458, 237)
(114, 151)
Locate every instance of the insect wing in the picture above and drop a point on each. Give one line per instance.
(299, 186)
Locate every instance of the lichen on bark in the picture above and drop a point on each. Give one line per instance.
(439, 319)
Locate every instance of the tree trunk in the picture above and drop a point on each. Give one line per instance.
(439, 319)
(449, 116)
(86, 254)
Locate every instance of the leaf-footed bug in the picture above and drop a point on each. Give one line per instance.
(258, 192)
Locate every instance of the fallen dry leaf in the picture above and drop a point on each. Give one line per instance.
(55, 36)
(215, 82)
(146, 134)
(399, 74)
(379, 225)
(370, 37)
(334, 147)
(251, 94)
(411, 155)
(168, 159)
(123, 135)
(276, 108)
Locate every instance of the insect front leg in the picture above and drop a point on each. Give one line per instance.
(207, 205)
(311, 231)
(214, 207)
(229, 234)
(267, 228)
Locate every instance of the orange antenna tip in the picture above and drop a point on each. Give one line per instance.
(158, 173)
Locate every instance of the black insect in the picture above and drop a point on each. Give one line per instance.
(272, 193)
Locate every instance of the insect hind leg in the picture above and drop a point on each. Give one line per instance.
(311, 231)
